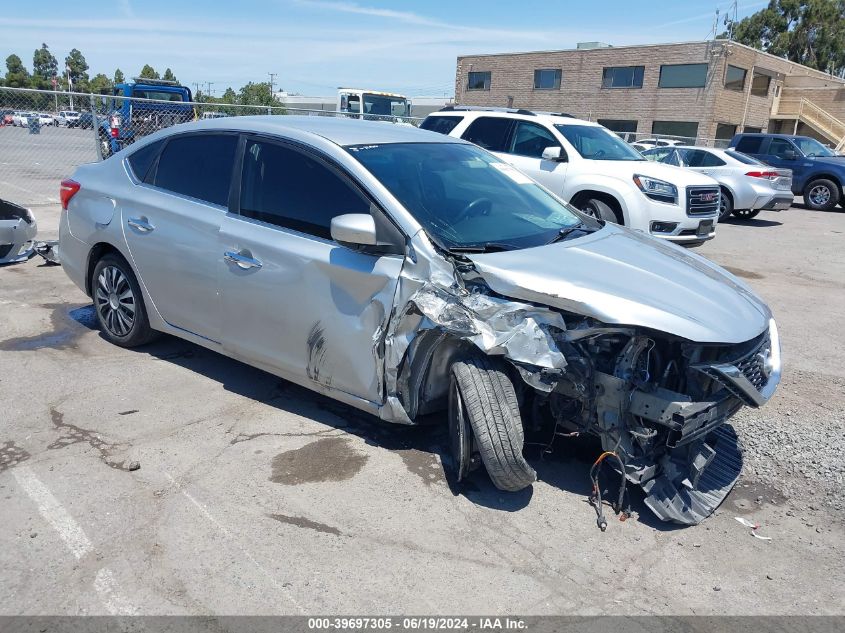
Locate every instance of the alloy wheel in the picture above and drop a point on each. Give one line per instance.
(115, 301)
(819, 195)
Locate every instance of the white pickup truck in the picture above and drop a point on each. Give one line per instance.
(591, 168)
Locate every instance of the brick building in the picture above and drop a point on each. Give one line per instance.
(704, 90)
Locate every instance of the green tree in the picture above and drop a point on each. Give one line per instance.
(148, 72)
(809, 32)
(169, 76)
(100, 84)
(118, 76)
(44, 67)
(230, 96)
(258, 94)
(17, 76)
(77, 68)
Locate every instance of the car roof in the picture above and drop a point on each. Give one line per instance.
(787, 136)
(339, 130)
(548, 117)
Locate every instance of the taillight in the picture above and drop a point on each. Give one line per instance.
(114, 124)
(68, 190)
(771, 175)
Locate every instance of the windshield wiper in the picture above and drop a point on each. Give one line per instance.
(486, 247)
(567, 231)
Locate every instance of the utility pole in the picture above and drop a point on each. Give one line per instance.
(209, 87)
(272, 77)
(196, 85)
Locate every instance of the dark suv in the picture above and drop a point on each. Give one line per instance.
(818, 173)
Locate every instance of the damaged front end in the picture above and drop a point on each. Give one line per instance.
(17, 232)
(656, 400)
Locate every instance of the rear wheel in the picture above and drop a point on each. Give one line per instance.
(600, 210)
(821, 194)
(119, 304)
(746, 214)
(726, 205)
(482, 400)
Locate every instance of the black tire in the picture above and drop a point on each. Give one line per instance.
(746, 214)
(821, 194)
(123, 322)
(488, 399)
(600, 210)
(105, 146)
(726, 205)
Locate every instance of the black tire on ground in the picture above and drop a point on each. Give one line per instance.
(726, 205)
(488, 400)
(821, 194)
(746, 214)
(131, 327)
(600, 210)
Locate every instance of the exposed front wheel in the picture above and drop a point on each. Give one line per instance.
(482, 400)
(600, 210)
(821, 194)
(119, 304)
(726, 205)
(746, 214)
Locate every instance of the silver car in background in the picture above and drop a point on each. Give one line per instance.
(748, 185)
(407, 273)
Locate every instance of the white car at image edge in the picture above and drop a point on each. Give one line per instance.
(591, 168)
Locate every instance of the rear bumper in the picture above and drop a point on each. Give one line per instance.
(777, 203)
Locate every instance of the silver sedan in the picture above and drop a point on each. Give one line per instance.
(748, 185)
(407, 273)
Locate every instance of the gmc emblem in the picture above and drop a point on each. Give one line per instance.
(708, 197)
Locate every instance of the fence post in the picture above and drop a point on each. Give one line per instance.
(95, 128)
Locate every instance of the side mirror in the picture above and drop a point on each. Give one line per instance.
(354, 229)
(554, 154)
(790, 154)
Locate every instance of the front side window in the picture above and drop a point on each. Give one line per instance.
(683, 76)
(735, 78)
(623, 77)
(596, 143)
(489, 132)
(198, 165)
(465, 197)
(288, 188)
(478, 80)
(530, 139)
(782, 148)
(441, 124)
(547, 79)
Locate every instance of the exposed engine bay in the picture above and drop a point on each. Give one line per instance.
(658, 402)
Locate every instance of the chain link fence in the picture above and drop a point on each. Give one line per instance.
(45, 135)
(656, 140)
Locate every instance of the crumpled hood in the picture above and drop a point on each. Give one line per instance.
(619, 276)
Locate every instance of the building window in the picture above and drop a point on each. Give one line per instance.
(479, 81)
(682, 129)
(752, 130)
(725, 132)
(683, 76)
(547, 79)
(735, 78)
(623, 77)
(760, 85)
(620, 126)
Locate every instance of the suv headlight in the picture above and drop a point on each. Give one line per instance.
(659, 190)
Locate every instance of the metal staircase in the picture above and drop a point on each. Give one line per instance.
(803, 110)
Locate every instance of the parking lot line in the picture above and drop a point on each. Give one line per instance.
(106, 585)
(236, 542)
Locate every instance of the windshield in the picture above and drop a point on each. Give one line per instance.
(597, 143)
(386, 106)
(465, 197)
(811, 147)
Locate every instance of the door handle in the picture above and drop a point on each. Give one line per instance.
(141, 224)
(243, 261)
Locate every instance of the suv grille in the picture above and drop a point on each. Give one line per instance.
(751, 365)
(702, 201)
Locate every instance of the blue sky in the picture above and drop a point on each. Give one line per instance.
(316, 45)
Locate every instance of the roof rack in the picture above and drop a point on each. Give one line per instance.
(463, 108)
(162, 82)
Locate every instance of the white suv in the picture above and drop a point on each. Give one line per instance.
(592, 168)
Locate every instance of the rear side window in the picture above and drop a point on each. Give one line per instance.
(141, 160)
(199, 166)
(287, 188)
(491, 133)
(749, 144)
(442, 124)
(699, 158)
